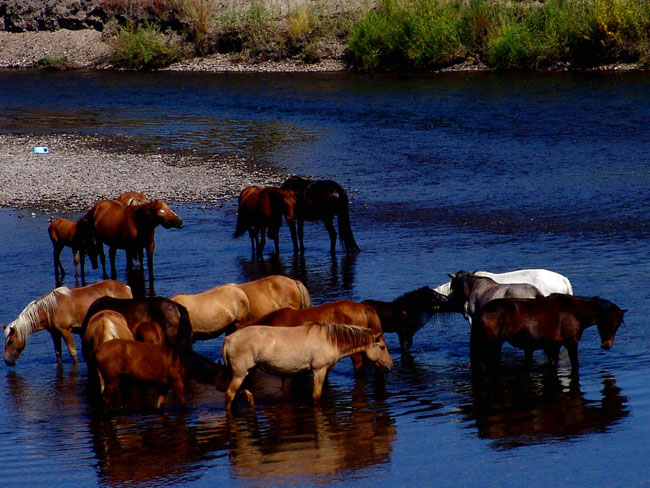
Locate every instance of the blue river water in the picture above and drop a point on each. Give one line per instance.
(445, 172)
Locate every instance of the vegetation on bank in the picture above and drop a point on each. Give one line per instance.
(387, 35)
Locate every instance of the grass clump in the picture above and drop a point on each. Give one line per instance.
(142, 48)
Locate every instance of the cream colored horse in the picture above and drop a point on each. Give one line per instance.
(60, 312)
(285, 351)
(223, 307)
(102, 327)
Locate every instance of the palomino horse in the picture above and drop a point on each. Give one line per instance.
(469, 292)
(321, 200)
(76, 235)
(60, 312)
(260, 209)
(408, 313)
(546, 281)
(286, 351)
(160, 364)
(220, 309)
(171, 316)
(130, 228)
(546, 323)
(337, 312)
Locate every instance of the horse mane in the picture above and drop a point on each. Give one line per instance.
(410, 295)
(603, 306)
(347, 337)
(29, 318)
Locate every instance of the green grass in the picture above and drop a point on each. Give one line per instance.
(142, 48)
(416, 35)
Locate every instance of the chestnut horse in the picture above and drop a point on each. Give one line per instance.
(103, 326)
(321, 200)
(76, 235)
(160, 364)
(60, 312)
(286, 351)
(408, 313)
(337, 312)
(171, 316)
(148, 331)
(546, 323)
(220, 309)
(130, 228)
(260, 209)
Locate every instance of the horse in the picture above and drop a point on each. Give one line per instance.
(131, 198)
(220, 309)
(546, 281)
(321, 200)
(130, 228)
(160, 364)
(171, 316)
(408, 313)
(60, 312)
(76, 235)
(260, 209)
(469, 292)
(546, 323)
(337, 312)
(286, 351)
(147, 331)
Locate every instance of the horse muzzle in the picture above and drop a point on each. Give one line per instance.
(10, 361)
(383, 367)
(607, 345)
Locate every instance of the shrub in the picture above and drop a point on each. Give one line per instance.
(142, 48)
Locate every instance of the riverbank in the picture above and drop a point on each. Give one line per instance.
(79, 170)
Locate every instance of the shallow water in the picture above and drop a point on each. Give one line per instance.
(449, 172)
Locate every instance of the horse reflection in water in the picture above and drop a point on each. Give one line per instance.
(527, 409)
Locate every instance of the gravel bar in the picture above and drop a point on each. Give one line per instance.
(79, 170)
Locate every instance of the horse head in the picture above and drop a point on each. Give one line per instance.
(160, 213)
(14, 344)
(460, 289)
(289, 200)
(87, 239)
(377, 352)
(609, 319)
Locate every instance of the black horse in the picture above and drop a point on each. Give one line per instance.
(408, 313)
(321, 200)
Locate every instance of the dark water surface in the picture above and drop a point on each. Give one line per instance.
(449, 172)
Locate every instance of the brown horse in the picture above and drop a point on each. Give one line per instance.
(102, 327)
(76, 235)
(159, 364)
(60, 312)
(321, 200)
(220, 309)
(130, 228)
(338, 312)
(286, 351)
(408, 313)
(171, 316)
(546, 323)
(260, 209)
(132, 198)
(148, 331)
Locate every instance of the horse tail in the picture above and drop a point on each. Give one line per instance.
(345, 230)
(305, 298)
(184, 331)
(241, 225)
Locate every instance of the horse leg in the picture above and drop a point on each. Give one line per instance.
(528, 354)
(82, 265)
(233, 387)
(69, 342)
(75, 260)
(357, 361)
(59, 272)
(162, 394)
(56, 339)
(319, 379)
(405, 341)
(301, 234)
(260, 248)
(102, 259)
(292, 230)
(150, 249)
(572, 349)
(329, 225)
(112, 251)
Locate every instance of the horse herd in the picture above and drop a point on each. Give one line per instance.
(271, 323)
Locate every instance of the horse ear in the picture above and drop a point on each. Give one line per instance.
(378, 336)
(451, 275)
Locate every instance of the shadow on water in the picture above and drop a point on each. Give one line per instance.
(528, 408)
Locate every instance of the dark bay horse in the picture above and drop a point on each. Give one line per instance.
(79, 237)
(470, 292)
(171, 316)
(130, 228)
(321, 200)
(260, 210)
(546, 323)
(408, 313)
(337, 312)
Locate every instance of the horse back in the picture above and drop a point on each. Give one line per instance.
(271, 293)
(386, 313)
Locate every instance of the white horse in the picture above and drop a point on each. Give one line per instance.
(544, 280)
(285, 351)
